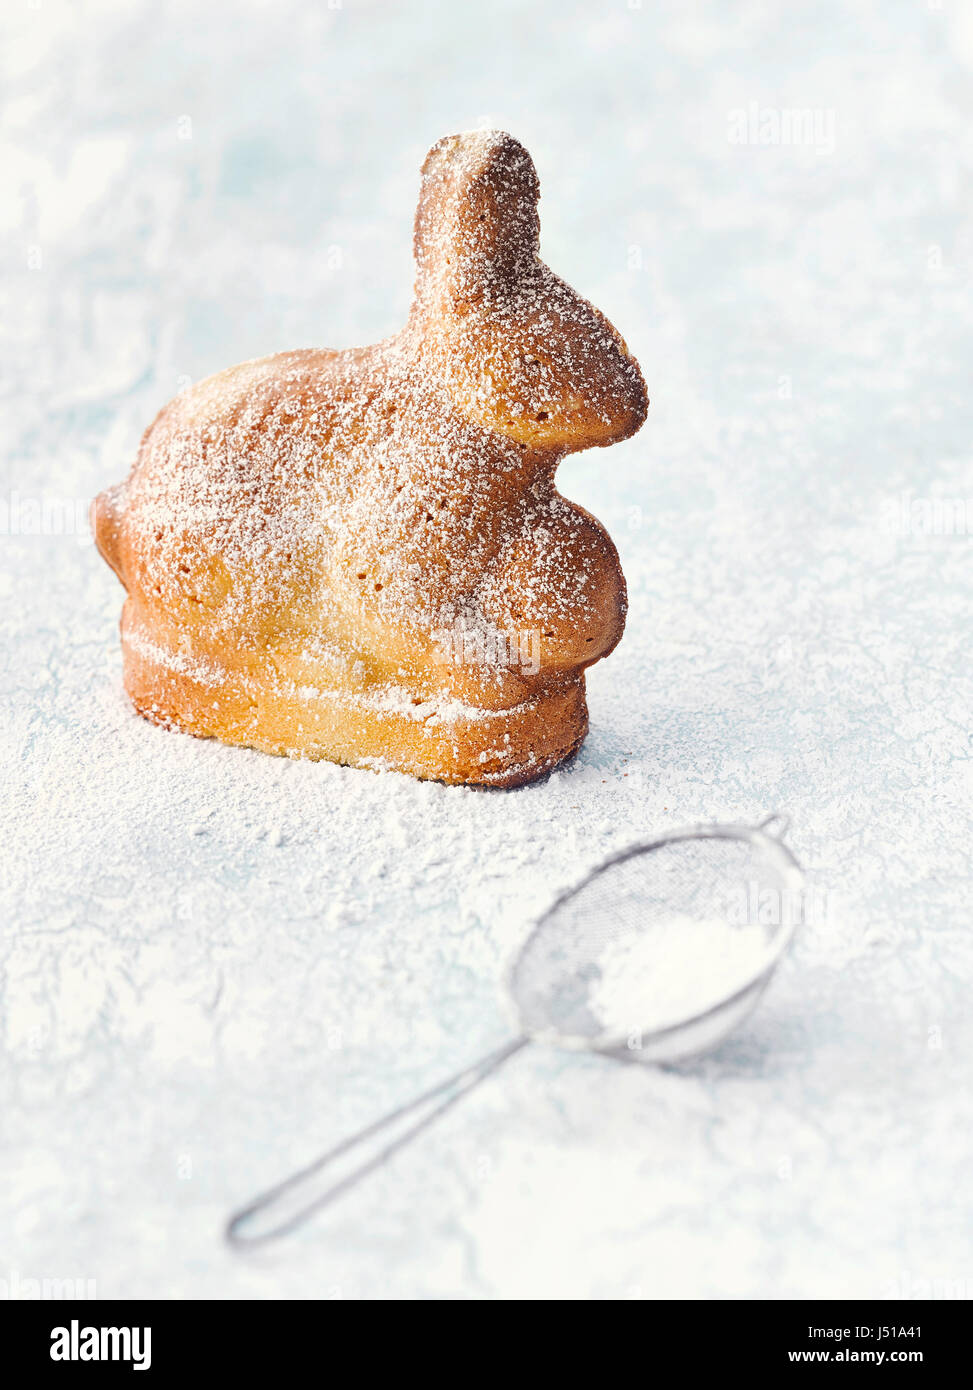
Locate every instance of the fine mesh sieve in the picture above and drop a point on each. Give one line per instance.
(657, 954)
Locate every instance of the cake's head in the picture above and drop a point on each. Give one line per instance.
(520, 352)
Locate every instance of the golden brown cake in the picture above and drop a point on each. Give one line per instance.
(361, 555)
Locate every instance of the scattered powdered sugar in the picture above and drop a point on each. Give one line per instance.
(676, 969)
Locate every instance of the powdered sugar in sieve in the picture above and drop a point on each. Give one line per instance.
(681, 968)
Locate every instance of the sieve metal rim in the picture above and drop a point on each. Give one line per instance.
(758, 835)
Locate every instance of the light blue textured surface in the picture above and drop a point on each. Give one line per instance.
(213, 963)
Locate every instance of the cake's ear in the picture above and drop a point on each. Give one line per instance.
(477, 228)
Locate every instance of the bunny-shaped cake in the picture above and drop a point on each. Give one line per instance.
(361, 555)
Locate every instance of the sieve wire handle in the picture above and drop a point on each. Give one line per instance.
(286, 1206)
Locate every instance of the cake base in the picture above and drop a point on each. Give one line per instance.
(384, 729)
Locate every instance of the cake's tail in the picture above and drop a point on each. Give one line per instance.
(105, 517)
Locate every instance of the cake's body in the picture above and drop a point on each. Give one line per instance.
(362, 555)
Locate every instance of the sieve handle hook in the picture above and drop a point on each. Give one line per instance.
(776, 825)
(284, 1207)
